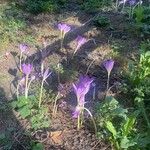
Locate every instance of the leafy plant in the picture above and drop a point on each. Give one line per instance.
(95, 5)
(40, 6)
(142, 20)
(109, 110)
(121, 138)
(37, 146)
(138, 83)
(27, 108)
(101, 21)
(120, 134)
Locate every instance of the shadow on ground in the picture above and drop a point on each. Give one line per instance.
(11, 131)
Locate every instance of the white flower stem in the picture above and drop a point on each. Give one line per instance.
(94, 93)
(92, 119)
(78, 123)
(55, 105)
(17, 91)
(20, 61)
(26, 86)
(89, 66)
(108, 81)
(41, 90)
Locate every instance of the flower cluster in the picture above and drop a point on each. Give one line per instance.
(81, 89)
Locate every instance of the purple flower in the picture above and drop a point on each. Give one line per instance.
(26, 69)
(64, 28)
(46, 74)
(80, 41)
(132, 2)
(23, 48)
(108, 64)
(76, 113)
(22, 82)
(81, 89)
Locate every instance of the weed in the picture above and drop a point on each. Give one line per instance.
(95, 5)
(27, 108)
(101, 21)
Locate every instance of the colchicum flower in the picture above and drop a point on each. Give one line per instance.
(45, 75)
(132, 2)
(81, 89)
(23, 48)
(80, 41)
(26, 69)
(108, 64)
(64, 28)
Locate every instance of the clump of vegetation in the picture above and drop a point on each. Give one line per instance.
(42, 6)
(101, 21)
(13, 27)
(142, 20)
(95, 5)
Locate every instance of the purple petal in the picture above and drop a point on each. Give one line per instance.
(26, 69)
(81, 88)
(108, 64)
(46, 74)
(64, 27)
(132, 2)
(76, 113)
(22, 82)
(80, 41)
(23, 48)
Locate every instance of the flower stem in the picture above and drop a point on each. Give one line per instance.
(108, 82)
(61, 43)
(20, 61)
(26, 87)
(74, 53)
(78, 122)
(55, 106)
(92, 119)
(17, 91)
(41, 90)
(89, 66)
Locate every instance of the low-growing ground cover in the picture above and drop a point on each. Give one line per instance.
(74, 75)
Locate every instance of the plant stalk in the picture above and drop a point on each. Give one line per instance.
(26, 86)
(20, 61)
(41, 91)
(92, 119)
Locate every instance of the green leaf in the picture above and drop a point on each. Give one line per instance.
(126, 143)
(111, 128)
(128, 126)
(120, 112)
(13, 104)
(38, 146)
(25, 111)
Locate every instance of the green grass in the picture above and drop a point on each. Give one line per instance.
(12, 26)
